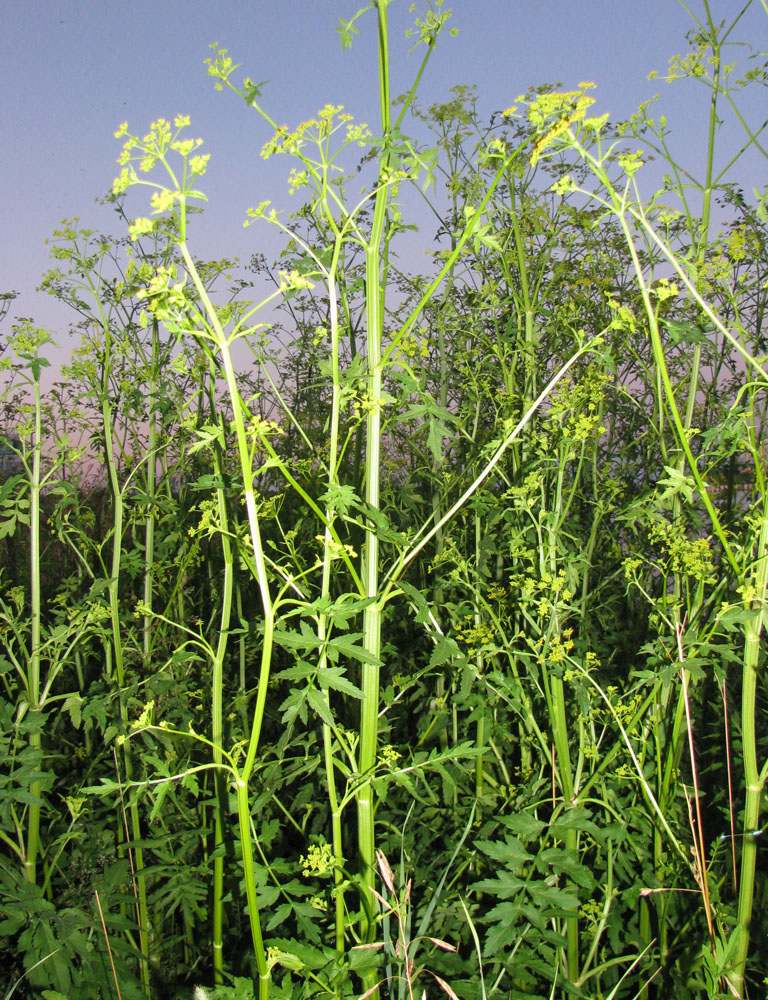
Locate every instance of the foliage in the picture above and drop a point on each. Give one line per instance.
(464, 568)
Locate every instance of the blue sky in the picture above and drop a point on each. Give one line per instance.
(72, 71)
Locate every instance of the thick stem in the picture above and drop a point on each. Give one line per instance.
(369, 709)
(244, 820)
(217, 688)
(754, 777)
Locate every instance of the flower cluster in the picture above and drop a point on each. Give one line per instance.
(388, 756)
(474, 635)
(558, 649)
(547, 591)
(318, 861)
(553, 114)
(315, 130)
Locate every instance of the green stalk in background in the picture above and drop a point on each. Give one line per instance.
(27, 348)
(110, 312)
(33, 837)
(115, 652)
(217, 682)
(150, 488)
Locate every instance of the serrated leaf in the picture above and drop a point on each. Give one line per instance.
(685, 333)
(502, 919)
(526, 827)
(318, 703)
(268, 895)
(312, 958)
(543, 896)
(565, 861)
(292, 640)
(346, 645)
(445, 651)
(340, 497)
(508, 852)
(506, 886)
(418, 600)
(333, 677)
(74, 704)
(346, 31)
(294, 705)
(280, 915)
(579, 819)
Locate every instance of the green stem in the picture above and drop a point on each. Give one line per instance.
(217, 688)
(35, 738)
(325, 591)
(369, 708)
(754, 777)
(260, 569)
(244, 821)
(117, 645)
(480, 729)
(149, 524)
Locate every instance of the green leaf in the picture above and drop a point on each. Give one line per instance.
(544, 896)
(341, 498)
(295, 705)
(312, 958)
(526, 826)
(346, 645)
(419, 602)
(346, 31)
(446, 650)
(506, 886)
(292, 640)
(105, 788)
(333, 677)
(579, 819)
(73, 704)
(502, 918)
(268, 895)
(677, 483)
(280, 915)
(319, 704)
(206, 435)
(566, 862)
(508, 852)
(252, 90)
(685, 333)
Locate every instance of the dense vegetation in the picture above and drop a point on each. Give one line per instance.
(368, 631)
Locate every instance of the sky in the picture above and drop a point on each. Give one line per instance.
(71, 72)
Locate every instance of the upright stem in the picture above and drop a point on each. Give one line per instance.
(260, 569)
(755, 778)
(374, 302)
(117, 644)
(217, 687)
(561, 743)
(149, 524)
(35, 740)
(479, 661)
(325, 592)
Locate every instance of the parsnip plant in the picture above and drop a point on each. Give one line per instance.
(312, 593)
(463, 568)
